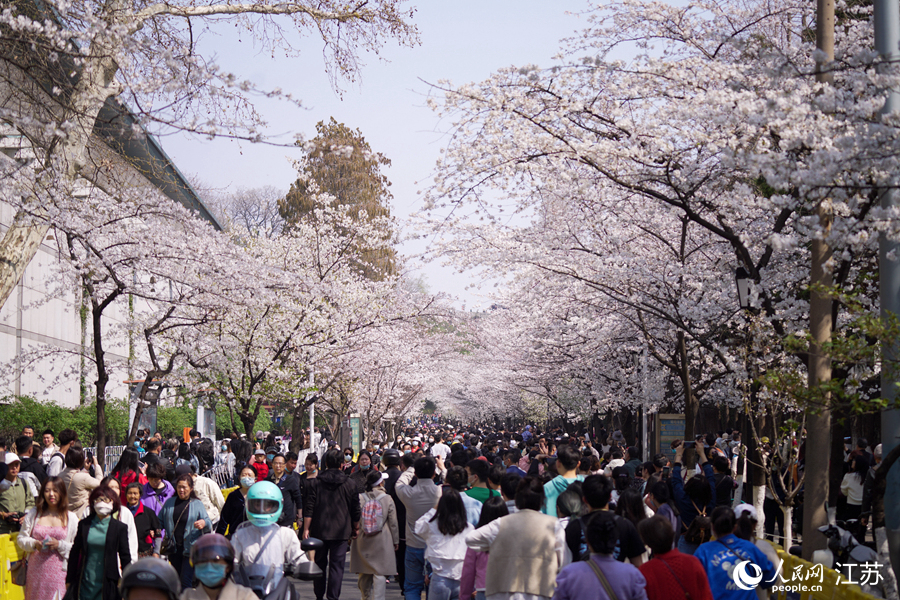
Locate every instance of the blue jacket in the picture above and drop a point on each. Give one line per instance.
(195, 512)
(720, 559)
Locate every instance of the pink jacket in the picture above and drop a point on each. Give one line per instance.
(473, 573)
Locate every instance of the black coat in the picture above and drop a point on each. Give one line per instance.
(232, 514)
(116, 544)
(145, 521)
(332, 501)
(33, 465)
(290, 492)
(390, 487)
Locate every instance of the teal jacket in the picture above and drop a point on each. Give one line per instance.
(552, 490)
(195, 512)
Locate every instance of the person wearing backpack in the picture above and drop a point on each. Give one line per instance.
(372, 554)
(695, 500)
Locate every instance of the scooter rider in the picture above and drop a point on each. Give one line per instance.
(261, 547)
(212, 557)
(150, 579)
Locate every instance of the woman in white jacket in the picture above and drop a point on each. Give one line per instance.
(47, 533)
(444, 530)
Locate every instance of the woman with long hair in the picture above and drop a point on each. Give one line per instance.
(127, 471)
(363, 467)
(852, 488)
(631, 506)
(184, 520)
(100, 546)
(472, 580)
(186, 457)
(372, 554)
(444, 530)
(47, 533)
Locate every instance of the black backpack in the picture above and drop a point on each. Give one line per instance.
(167, 459)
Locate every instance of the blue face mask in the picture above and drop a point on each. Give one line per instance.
(270, 456)
(406, 451)
(247, 481)
(210, 574)
(364, 467)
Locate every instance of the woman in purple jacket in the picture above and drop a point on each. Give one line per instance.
(602, 577)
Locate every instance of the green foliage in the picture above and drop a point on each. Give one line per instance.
(171, 420)
(856, 351)
(224, 425)
(16, 413)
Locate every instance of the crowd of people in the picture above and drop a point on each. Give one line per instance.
(446, 512)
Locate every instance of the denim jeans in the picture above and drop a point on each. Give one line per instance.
(443, 588)
(686, 548)
(415, 573)
(480, 596)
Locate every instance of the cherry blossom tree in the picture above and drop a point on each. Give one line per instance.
(63, 63)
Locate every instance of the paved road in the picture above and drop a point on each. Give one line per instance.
(349, 590)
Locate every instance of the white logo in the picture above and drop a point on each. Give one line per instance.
(744, 580)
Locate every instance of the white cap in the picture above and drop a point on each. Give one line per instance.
(740, 509)
(384, 477)
(11, 457)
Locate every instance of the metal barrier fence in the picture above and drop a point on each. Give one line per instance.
(111, 456)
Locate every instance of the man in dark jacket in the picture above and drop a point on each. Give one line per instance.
(391, 460)
(290, 491)
(24, 448)
(331, 513)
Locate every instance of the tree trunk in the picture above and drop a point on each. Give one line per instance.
(759, 498)
(818, 441)
(690, 401)
(100, 385)
(18, 247)
(788, 526)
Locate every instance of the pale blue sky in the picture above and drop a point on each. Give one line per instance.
(462, 40)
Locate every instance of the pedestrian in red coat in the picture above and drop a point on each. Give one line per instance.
(670, 574)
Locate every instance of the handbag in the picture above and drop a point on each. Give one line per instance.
(19, 572)
(167, 548)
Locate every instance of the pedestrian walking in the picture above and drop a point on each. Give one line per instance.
(372, 553)
(331, 513)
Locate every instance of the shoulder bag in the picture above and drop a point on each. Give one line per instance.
(603, 580)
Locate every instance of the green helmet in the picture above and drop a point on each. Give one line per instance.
(264, 501)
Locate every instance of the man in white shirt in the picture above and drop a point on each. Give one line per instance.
(57, 461)
(440, 449)
(49, 447)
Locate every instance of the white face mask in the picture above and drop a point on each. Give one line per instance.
(103, 508)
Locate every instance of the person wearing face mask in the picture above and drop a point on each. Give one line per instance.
(184, 520)
(226, 457)
(233, 512)
(348, 464)
(212, 557)
(100, 546)
(290, 491)
(262, 547)
(363, 467)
